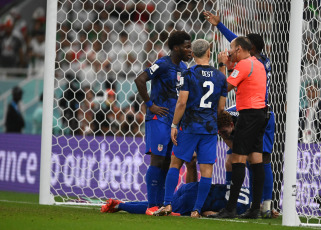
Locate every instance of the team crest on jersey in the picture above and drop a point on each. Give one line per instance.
(235, 73)
(160, 147)
(179, 74)
(153, 68)
(180, 80)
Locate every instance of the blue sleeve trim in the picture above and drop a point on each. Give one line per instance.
(229, 35)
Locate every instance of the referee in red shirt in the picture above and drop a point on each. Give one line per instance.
(249, 77)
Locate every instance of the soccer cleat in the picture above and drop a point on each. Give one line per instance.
(250, 214)
(163, 211)
(224, 214)
(175, 214)
(266, 215)
(150, 211)
(195, 214)
(109, 207)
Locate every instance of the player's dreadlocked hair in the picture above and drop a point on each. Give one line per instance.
(224, 119)
(177, 38)
(256, 41)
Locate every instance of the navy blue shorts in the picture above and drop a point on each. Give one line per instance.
(158, 138)
(203, 144)
(249, 131)
(268, 138)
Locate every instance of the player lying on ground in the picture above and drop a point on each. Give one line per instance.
(184, 200)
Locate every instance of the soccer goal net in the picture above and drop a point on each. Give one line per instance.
(97, 149)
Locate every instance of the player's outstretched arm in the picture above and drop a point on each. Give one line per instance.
(140, 82)
(215, 20)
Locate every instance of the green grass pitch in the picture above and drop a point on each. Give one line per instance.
(22, 211)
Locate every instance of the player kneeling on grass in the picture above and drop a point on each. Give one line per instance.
(202, 96)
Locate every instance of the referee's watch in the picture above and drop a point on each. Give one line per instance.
(221, 64)
(174, 126)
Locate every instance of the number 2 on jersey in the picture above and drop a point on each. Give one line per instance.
(209, 92)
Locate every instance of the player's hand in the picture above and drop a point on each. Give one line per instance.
(158, 110)
(211, 18)
(223, 57)
(174, 136)
(230, 65)
(275, 214)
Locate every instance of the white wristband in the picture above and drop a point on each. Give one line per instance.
(174, 126)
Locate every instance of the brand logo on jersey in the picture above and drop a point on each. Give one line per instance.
(235, 114)
(153, 68)
(235, 73)
(160, 147)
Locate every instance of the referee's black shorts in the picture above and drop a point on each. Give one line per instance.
(249, 131)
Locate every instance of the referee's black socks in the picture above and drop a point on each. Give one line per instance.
(238, 174)
(258, 183)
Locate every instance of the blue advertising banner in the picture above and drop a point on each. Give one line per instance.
(95, 167)
(83, 166)
(99, 167)
(20, 162)
(308, 183)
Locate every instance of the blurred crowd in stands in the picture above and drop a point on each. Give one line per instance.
(103, 44)
(21, 45)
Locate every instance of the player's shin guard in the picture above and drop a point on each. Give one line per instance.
(170, 185)
(258, 183)
(152, 180)
(238, 174)
(204, 187)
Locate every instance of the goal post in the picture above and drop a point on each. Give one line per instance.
(45, 196)
(290, 216)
